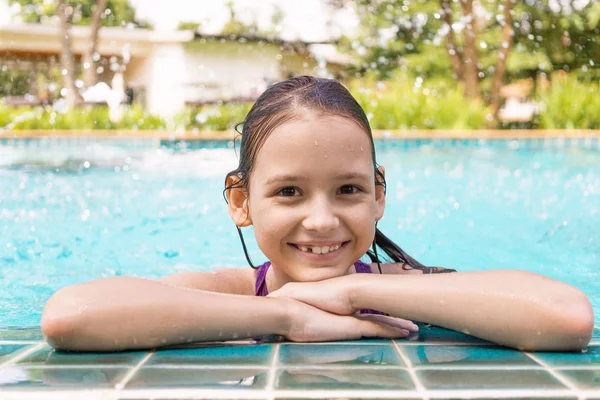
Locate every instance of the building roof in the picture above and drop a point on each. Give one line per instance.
(43, 38)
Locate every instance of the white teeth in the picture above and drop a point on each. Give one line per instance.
(319, 250)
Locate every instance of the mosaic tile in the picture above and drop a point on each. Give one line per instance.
(586, 379)
(596, 335)
(343, 379)
(17, 377)
(8, 351)
(488, 379)
(230, 378)
(256, 355)
(47, 356)
(589, 357)
(338, 354)
(435, 334)
(464, 356)
(32, 333)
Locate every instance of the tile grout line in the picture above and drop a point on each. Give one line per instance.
(22, 355)
(119, 386)
(562, 379)
(410, 369)
(269, 387)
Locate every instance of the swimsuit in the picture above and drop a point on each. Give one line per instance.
(260, 288)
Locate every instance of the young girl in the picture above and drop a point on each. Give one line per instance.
(309, 184)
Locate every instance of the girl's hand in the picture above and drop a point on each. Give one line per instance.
(310, 324)
(331, 295)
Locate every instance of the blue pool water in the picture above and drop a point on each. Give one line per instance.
(76, 211)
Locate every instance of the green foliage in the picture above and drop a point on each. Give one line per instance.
(87, 117)
(406, 102)
(570, 104)
(14, 83)
(118, 12)
(214, 117)
(188, 26)
(411, 36)
(206, 118)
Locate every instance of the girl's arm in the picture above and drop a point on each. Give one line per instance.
(513, 308)
(132, 313)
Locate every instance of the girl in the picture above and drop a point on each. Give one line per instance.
(309, 184)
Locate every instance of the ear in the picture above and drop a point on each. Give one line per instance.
(237, 201)
(379, 194)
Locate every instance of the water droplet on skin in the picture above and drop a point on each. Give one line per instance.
(163, 340)
(466, 332)
(316, 143)
(539, 333)
(326, 157)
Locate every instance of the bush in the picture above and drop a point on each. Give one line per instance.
(405, 102)
(569, 104)
(214, 117)
(86, 117)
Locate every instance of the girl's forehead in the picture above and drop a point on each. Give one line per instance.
(316, 141)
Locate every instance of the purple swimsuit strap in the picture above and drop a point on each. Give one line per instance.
(260, 288)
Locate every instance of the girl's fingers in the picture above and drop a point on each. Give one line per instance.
(374, 329)
(390, 321)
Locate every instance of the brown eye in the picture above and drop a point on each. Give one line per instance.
(349, 189)
(288, 191)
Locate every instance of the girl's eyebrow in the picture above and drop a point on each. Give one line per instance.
(297, 178)
(285, 178)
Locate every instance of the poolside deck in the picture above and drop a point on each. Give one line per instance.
(434, 364)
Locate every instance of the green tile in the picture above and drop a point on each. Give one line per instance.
(32, 333)
(463, 356)
(588, 357)
(256, 355)
(21, 378)
(487, 379)
(343, 379)
(47, 356)
(8, 351)
(230, 378)
(585, 379)
(435, 334)
(338, 354)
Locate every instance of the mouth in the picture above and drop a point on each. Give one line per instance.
(320, 250)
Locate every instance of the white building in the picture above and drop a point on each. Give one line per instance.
(169, 69)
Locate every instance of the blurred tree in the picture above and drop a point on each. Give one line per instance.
(235, 26)
(67, 62)
(472, 41)
(116, 12)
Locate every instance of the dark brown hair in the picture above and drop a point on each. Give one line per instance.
(285, 101)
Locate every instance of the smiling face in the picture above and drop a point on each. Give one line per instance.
(312, 197)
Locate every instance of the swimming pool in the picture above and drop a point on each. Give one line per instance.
(76, 210)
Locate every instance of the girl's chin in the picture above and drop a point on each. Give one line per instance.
(307, 273)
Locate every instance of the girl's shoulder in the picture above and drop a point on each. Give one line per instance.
(224, 280)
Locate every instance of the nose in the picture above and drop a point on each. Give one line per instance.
(320, 216)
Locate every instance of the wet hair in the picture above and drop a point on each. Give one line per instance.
(286, 101)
